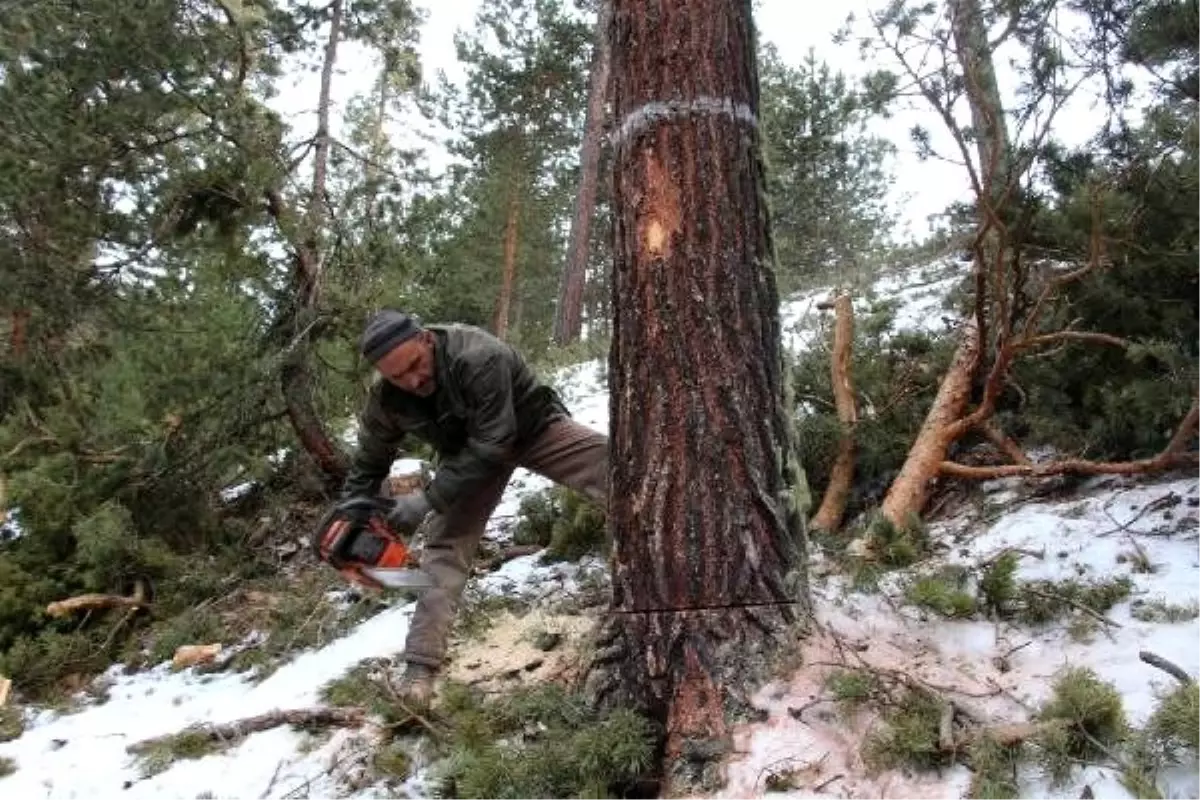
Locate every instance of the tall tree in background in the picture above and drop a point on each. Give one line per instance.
(708, 573)
(568, 321)
(825, 175)
(517, 126)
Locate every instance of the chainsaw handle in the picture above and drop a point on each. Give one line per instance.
(364, 505)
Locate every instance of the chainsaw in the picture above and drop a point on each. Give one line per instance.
(354, 537)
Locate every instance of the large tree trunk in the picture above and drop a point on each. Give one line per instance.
(296, 376)
(708, 575)
(568, 321)
(509, 279)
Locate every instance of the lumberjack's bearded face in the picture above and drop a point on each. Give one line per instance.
(410, 365)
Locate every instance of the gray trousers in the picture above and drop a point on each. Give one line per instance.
(568, 453)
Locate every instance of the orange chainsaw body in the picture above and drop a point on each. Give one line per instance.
(361, 543)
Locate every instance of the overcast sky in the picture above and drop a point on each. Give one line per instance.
(922, 188)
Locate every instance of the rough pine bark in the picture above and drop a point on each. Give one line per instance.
(509, 278)
(709, 548)
(568, 321)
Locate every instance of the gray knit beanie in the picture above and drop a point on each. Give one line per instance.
(386, 330)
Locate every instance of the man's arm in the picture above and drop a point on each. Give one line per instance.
(490, 440)
(378, 445)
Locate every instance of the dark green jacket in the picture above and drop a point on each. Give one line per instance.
(487, 407)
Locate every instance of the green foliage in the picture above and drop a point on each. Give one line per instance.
(943, 593)
(391, 762)
(540, 741)
(7, 766)
(194, 626)
(993, 768)
(998, 584)
(160, 755)
(1174, 727)
(897, 547)
(12, 723)
(564, 521)
(902, 367)
(825, 178)
(908, 734)
(1043, 601)
(853, 687)
(1090, 721)
(37, 664)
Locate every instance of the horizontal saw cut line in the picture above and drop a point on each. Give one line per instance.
(642, 118)
(718, 607)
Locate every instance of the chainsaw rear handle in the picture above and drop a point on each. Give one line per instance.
(355, 538)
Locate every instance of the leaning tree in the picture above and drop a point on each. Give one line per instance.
(708, 574)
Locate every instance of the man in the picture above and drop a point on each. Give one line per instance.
(475, 400)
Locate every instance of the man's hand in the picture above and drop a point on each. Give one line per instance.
(408, 511)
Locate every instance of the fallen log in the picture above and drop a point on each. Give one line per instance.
(227, 731)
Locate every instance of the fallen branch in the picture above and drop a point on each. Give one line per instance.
(1174, 670)
(841, 477)
(1091, 612)
(1173, 455)
(93, 602)
(1070, 466)
(335, 717)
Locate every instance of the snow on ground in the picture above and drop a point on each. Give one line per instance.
(83, 754)
(1087, 537)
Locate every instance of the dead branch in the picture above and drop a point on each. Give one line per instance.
(833, 504)
(93, 602)
(1174, 670)
(1173, 455)
(238, 729)
(1070, 466)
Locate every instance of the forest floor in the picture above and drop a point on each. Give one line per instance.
(1123, 552)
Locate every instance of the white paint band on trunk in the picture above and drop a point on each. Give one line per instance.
(639, 119)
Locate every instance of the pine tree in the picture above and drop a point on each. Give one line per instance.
(709, 547)
(825, 174)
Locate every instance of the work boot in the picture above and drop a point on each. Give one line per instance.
(415, 687)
